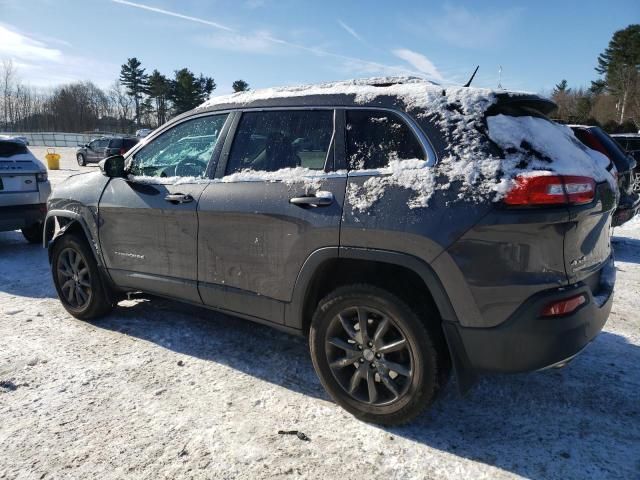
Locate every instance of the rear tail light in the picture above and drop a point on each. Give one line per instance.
(563, 307)
(41, 177)
(551, 190)
(123, 151)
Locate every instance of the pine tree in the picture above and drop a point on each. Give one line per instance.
(159, 89)
(132, 76)
(620, 65)
(561, 87)
(240, 86)
(189, 91)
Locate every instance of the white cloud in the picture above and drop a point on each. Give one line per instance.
(467, 29)
(15, 45)
(258, 42)
(420, 63)
(40, 64)
(241, 41)
(350, 31)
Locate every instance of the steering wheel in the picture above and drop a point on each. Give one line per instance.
(190, 167)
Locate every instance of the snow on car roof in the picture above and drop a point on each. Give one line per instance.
(415, 92)
(460, 114)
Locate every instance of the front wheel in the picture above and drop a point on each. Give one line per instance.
(81, 160)
(374, 355)
(77, 279)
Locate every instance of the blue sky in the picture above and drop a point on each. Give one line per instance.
(277, 42)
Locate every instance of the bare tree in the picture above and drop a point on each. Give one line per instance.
(8, 79)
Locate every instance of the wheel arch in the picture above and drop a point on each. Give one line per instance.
(317, 277)
(69, 222)
(312, 285)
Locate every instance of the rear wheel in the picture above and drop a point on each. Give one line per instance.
(33, 233)
(77, 279)
(373, 354)
(82, 161)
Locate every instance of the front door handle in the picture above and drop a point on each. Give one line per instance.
(177, 198)
(319, 199)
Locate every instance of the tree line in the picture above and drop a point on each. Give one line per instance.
(138, 99)
(612, 100)
(135, 100)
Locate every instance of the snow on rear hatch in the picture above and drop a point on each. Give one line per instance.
(536, 144)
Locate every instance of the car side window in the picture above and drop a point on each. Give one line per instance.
(102, 143)
(182, 151)
(374, 138)
(273, 140)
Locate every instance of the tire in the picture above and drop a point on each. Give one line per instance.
(74, 268)
(82, 161)
(33, 233)
(342, 358)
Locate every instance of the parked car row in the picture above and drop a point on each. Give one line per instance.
(101, 148)
(625, 165)
(631, 143)
(24, 189)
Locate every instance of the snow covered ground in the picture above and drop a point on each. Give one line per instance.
(162, 390)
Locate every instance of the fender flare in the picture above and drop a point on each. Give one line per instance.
(75, 218)
(294, 310)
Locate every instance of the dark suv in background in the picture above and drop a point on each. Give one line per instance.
(597, 139)
(630, 142)
(101, 148)
(368, 215)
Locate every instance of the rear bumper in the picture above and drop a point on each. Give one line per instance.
(19, 216)
(526, 341)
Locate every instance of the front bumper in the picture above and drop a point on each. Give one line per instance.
(526, 341)
(20, 216)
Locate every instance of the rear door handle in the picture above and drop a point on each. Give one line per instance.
(177, 198)
(319, 199)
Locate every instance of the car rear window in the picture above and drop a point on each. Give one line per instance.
(631, 144)
(617, 155)
(374, 138)
(129, 143)
(8, 149)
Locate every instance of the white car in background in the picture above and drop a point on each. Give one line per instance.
(24, 189)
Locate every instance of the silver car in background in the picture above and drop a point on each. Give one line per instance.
(24, 189)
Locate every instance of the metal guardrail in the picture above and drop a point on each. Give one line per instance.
(56, 139)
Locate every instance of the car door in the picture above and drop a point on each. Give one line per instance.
(102, 148)
(148, 223)
(276, 202)
(92, 150)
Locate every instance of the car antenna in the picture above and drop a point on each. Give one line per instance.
(472, 76)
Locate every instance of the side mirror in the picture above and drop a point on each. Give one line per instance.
(113, 167)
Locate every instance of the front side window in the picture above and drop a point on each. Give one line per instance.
(374, 138)
(273, 140)
(183, 151)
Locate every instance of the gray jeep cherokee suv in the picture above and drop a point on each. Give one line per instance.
(378, 217)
